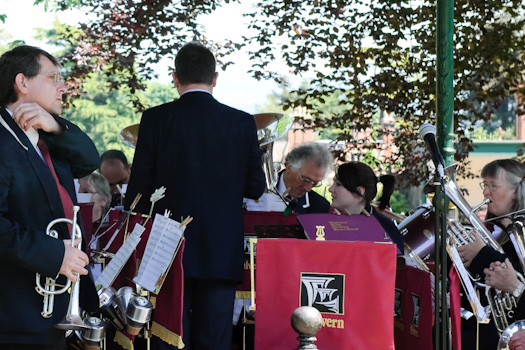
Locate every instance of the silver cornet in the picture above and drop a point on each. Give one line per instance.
(49, 290)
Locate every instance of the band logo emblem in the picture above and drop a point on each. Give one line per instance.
(325, 292)
(319, 234)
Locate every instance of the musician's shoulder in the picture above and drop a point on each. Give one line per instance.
(160, 109)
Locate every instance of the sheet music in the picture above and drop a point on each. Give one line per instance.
(108, 275)
(478, 309)
(162, 246)
(156, 231)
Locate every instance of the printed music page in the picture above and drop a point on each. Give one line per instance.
(108, 275)
(162, 246)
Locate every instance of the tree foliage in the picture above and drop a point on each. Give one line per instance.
(128, 37)
(374, 55)
(382, 54)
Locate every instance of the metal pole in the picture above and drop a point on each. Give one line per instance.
(445, 136)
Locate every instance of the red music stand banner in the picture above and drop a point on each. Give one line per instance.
(413, 310)
(350, 283)
(264, 224)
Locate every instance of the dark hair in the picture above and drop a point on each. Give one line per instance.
(114, 154)
(195, 64)
(355, 174)
(22, 59)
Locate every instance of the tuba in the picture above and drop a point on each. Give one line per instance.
(270, 127)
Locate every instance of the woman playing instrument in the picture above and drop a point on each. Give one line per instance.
(503, 185)
(354, 188)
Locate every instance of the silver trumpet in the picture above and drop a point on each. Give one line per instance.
(49, 290)
(72, 319)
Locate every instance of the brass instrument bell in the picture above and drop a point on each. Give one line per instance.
(271, 127)
(129, 135)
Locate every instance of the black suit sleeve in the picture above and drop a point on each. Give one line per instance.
(73, 147)
(255, 182)
(141, 179)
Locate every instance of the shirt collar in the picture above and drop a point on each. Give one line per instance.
(195, 90)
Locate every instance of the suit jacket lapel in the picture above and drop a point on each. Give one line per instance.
(40, 168)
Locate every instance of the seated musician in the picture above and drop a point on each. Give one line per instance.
(98, 186)
(305, 168)
(355, 186)
(114, 166)
(503, 185)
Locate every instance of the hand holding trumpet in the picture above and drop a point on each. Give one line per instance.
(74, 261)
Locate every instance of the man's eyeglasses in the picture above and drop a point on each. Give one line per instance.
(56, 76)
(491, 186)
(307, 180)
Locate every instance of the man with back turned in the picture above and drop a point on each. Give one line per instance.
(33, 138)
(207, 156)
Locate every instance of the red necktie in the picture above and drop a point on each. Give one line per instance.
(67, 203)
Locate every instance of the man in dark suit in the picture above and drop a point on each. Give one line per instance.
(207, 156)
(31, 90)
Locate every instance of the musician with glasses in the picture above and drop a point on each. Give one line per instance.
(503, 184)
(98, 186)
(305, 169)
(353, 190)
(40, 154)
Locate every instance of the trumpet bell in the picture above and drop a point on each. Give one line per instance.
(129, 135)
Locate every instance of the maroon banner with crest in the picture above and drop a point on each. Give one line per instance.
(350, 283)
(413, 310)
(265, 224)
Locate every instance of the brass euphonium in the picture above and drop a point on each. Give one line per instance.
(454, 194)
(502, 304)
(516, 233)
